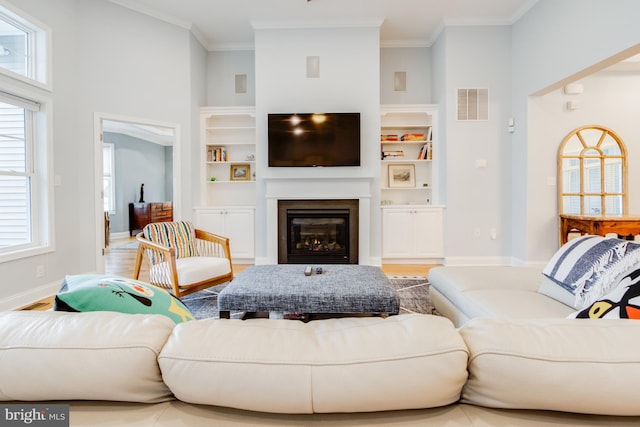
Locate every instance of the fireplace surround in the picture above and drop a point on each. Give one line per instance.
(318, 231)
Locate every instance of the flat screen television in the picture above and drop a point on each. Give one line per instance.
(314, 139)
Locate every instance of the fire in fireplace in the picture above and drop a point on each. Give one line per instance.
(318, 231)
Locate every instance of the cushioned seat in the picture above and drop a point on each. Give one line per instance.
(464, 292)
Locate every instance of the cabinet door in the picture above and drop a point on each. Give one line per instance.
(211, 220)
(397, 240)
(428, 238)
(236, 224)
(240, 231)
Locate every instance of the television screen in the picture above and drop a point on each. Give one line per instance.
(314, 140)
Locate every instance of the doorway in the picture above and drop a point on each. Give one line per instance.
(140, 150)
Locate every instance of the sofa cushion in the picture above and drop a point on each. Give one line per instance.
(492, 291)
(351, 364)
(623, 302)
(588, 266)
(97, 292)
(48, 355)
(568, 365)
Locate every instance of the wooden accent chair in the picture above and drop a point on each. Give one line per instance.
(182, 258)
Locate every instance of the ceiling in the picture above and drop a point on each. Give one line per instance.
(229, 24)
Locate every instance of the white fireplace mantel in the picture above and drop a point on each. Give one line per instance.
(318, 189)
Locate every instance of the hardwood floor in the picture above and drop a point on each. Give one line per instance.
(121, 262)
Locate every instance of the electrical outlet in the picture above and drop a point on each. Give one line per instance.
(40, 271)
(476, 232)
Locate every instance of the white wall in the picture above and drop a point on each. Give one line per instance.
(349, 82)
(106, 59)
(476, 199)
(416, 62)
(222, 67)
(555, 40)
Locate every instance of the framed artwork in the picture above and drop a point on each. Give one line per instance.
(402, 176)
(240, 172)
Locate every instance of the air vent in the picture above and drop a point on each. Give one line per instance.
(473, 104)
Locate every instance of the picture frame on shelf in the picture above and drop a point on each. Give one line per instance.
(240, 172)
(402, 176)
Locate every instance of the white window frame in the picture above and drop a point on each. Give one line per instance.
(110, 173)
(28, 92)
(39, 47)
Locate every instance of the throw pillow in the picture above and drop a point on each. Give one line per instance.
(587, 267)
(95, 292)
(623, 302)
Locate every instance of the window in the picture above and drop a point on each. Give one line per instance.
(108, 178)
(23, 47)
(25, 141)
(592, 173)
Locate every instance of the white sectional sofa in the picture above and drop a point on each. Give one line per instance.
(142, 370)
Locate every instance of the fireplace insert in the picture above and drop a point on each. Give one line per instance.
(320, 232)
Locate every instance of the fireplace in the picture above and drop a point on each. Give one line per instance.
(318, 231)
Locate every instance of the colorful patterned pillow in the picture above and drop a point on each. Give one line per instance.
(179, 235)
(623, 302)
(95, 292)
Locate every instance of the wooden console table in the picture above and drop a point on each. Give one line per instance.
(623, 225)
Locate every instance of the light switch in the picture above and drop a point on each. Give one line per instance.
(481, 163)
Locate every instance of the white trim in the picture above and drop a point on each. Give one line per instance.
(98, 118)
(22, 299)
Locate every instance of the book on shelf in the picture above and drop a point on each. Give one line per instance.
(395, 154)
(426, 152)
(217, 154)
(413, 137)
(389, 138)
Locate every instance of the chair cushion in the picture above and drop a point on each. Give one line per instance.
(195, 269)
(179, 235)
(96, 292)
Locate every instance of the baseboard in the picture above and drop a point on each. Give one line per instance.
(25, 298)
(498, 261)
(119, 235)
(411, 261)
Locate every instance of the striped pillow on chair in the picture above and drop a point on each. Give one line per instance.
(179, 235)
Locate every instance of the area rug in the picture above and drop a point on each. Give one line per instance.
(413, 292)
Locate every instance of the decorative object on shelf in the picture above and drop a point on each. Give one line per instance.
(213, 178)
(141, 194)
(240, 172)
(402, 176)
(251, 157)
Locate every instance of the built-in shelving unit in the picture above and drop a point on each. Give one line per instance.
(412, 221)
(408, 149)
(228, 188)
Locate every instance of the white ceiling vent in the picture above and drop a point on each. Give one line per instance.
(473, 104)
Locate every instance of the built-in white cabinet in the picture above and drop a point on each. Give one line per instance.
(412, 232)
(236, 223)
(228, 186)
(412, 219)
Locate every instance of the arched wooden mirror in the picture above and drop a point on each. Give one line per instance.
(592, 173)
